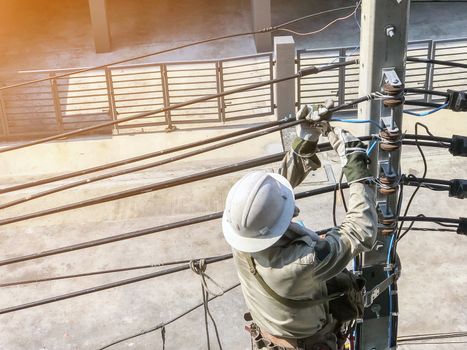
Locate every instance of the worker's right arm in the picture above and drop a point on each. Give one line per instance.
(357, 233)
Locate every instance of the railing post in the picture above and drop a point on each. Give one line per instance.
(166, 97)
(284, 49)
(3, 117)
(220, 89)
(341, 91)
(57, 104)
(110, 95)
(430, 69)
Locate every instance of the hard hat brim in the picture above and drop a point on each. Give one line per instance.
(251, 245)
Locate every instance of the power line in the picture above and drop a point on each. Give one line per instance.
(134, 58)
(93, 273)
(151, 230)
(155, 186)
(443, 63)
(167, 184)
(304, 72)
(290, 122)
(324, 27)
(161, 325)
(142, 157)
(102, 287)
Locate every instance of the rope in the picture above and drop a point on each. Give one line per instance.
(199, 267)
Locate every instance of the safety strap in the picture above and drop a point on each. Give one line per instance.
(294, 303)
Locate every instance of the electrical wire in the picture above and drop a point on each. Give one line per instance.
(133, 58)
(425, 170)
(147, 231)
(422, 104)
(166, 323)
(357, 121)
(424, 114)
(291, 122)
(93, 273)
(127, 161)
(164, 184)
(301, 73)
(443, 63)
(111, 285)
(427, 91)
(165, 227)
(324, 27)
(432, 336)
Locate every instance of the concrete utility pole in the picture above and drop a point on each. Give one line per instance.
(383, 45)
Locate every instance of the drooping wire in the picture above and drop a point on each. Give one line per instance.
(424, 114)
(205, 41)
(93, 273)
(357, 121)
(164, 324)
(324, 27)
(425, 170)
(111, 285)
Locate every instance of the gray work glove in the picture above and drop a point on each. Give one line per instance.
(306, 130)
(352, 153)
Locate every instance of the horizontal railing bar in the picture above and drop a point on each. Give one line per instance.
(246, 71)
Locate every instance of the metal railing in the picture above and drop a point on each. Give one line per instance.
(342, 84)
(88, 98)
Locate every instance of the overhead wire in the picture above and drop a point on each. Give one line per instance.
(111, 285)
(432, 61)
(303, 72)
(158, 185)
(156, 229)
(324, 27)
(205, 41)
(92, 273)
(290, 122)
(166, 323)
(424, 114)
(159, 153)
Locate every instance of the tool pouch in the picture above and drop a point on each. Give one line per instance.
(349, 306)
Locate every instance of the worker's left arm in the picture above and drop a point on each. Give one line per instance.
(301, 158)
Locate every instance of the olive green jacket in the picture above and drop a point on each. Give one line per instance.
(300, 263)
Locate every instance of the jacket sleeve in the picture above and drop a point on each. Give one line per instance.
(299, 161)
(355, 235)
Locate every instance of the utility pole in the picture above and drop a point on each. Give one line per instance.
(383, 46)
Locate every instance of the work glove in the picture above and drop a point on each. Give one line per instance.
(306, 130)
(352, 153)
(315, 117)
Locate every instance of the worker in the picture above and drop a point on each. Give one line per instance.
(295, 285)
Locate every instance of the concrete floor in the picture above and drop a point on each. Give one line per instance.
(432, 289)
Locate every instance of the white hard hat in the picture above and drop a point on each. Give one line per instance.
(258, 211)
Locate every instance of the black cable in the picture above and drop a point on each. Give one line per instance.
(443, 63)
(156, 186)
(426, 91)
(422, 104)
(164, 324)
(93, 273)
(147, 231)
(144, 156)
(303, 72)
(291, 122)
(431, 336)
(151, 188)
(437, 220)
(425, 170)
(223, 37)
(430, 229)
(102, 287)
